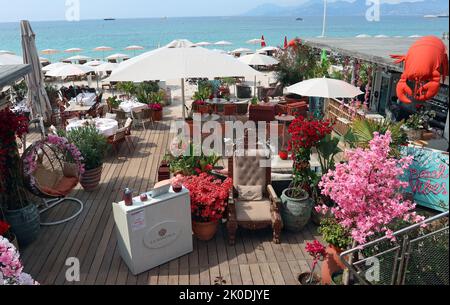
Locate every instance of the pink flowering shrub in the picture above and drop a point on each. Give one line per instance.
(11, 269)
(367, 190)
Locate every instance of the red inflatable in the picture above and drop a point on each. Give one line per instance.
(425, 64)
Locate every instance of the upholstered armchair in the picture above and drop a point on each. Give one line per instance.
(252, 212)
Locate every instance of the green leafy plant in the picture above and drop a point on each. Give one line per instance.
(145, 90)
(129, 88)
(361, 133)
(113, 102)
(327, 149)
(191, 164)
(335, 234)
(91, 143)
(203, 93)
(157, 97)
(254, 100)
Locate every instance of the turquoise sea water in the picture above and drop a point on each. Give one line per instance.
(152, 33)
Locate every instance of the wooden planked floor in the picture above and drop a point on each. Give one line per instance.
(91, 237)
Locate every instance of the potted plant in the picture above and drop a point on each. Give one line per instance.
(129, 88)
(209, 197)
(19, 211)
(11, 269)
(377, 201)
(296, 204)
(155, 105)
(417, 124)
(338, 239)
(113, 103)
(317, 252)
(92, 146)
(327, 149)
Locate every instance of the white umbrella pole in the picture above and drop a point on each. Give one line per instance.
(254, 88)
(183, 99)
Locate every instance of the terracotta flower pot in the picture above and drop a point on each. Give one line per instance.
(331, 264)
(204, 230)
(90, 179)
(157, 115)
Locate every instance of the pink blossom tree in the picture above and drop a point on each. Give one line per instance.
(367, 190)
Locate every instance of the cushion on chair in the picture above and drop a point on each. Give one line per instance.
(250, 192)
(66, 185)
(253, 210)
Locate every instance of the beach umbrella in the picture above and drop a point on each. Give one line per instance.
(254, 41)
(78, 58)
(10, 59)
(117, 56)
(180, 60)
(267, 49)
(258, 60)
(94, 63)
(43, 60)
(6, 52)
(73, 50)
(37, 100)
(203, 44)
(53, 66)
(49, 51)
(223, 43)
(240, 50)
(263, 42)
(285, 42)
(106, 67)
(134, 48)
(103, 49)
(326, 88)
(67, 70)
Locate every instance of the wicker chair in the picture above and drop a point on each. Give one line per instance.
(247, 170)
(142, 117)
(53, 177)
(121, 116)
(128, 125)
(118, 138)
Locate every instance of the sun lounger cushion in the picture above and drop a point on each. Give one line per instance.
(62, 188)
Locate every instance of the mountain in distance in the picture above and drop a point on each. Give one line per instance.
(356, 8)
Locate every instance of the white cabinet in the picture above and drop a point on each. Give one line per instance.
(154, 232)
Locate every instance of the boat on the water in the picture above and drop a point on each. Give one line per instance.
(436, 16)
(299, 19)
(109, 19)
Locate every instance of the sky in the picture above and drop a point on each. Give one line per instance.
(36, 10)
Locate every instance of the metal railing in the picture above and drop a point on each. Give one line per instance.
(417, 256)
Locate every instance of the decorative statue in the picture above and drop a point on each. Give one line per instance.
(425, 64)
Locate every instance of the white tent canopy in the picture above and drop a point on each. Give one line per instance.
(258, 60)
(186, 61)
(10, 59)
(325, 87)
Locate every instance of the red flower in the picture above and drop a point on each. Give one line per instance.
(307, 132)
(208, 196)
(4, 227)
(316, 250)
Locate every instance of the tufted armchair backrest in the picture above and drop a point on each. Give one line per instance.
(247, 168)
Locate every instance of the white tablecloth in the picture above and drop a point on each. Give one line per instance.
(21, 107)
(129, 105)
(87, 99)
(106, 127)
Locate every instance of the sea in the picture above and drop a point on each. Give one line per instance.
(155, 32)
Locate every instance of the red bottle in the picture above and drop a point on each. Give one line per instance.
(128, 197)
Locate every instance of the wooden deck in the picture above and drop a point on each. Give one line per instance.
(92, 239)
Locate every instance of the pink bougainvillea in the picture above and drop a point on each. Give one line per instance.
(367, 190)
(11, 269)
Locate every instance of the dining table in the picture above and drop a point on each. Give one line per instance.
(83, 102)
(106, 127)
(132, 105)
